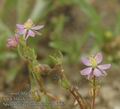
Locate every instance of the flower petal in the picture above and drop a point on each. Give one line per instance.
(19, 26)
(97, 72)
(31, 33)
(104, 73)
(37, 27)
(99, 57)
(21, 31)
(86, 71)
(104, 66)
(85, 61)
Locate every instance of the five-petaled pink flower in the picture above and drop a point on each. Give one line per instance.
(13, 42)
(93, 67)
(28, 29)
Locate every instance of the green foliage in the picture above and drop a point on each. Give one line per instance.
(57, 58)
(95, 20)
(64, 83)
(72, 47)
(25, 51)
(117, 27)
(39, 10)
(22, 10)
(48, 104)
(12, 74)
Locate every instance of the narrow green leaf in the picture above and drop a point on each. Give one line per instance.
(117, 26)
(39, 9)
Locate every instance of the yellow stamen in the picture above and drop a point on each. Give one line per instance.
(93, 62)
(28, 24)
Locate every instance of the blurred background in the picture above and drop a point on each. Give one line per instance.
(75, 27)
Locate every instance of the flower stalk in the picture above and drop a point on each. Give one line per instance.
(94, 92)
(64, 82)
(78, 97)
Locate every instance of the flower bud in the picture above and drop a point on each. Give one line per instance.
(13, 42)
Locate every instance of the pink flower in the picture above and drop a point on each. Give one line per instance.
(93, 66)
(28, 29)
(13, 42)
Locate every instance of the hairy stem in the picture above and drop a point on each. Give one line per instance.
(78, 97)
(74, 91)
(94, 92)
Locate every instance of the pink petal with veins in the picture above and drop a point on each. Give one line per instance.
(19, 26)
(99, 58)
(97, 72)
(104, 66)
(37, 27)
(31, 33)
(86, 71)
(85, 61)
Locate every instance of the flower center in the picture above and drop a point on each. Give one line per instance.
(93, 62)
(28, 25)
